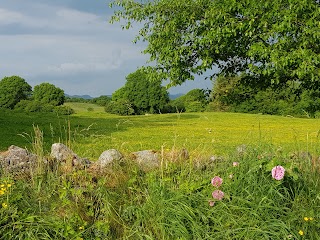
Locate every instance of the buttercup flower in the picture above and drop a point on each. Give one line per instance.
(278, 172)
(1, 192)
(301, 232)
(217, 194)
(4, 205)
(306, 219)
(216, 181)
(311, 218)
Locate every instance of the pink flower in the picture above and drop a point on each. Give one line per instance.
(217, 194)
(211, 203)
(216, 181)
(235, 164)
(278, 172)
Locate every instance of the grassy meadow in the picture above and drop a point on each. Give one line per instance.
(175, 201)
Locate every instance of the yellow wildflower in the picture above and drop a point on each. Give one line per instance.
(4, 205)
(9, 185)
(2, 185)
(3, 189)
(306, 219)
(81, 228)
(311, 218)
(1, 192)
(301, 232)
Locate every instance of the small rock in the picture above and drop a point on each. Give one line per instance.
(17, 159)
(62, 153)
(147, 159)
(108, 157)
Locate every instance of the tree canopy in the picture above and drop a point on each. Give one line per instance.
(47, 93)
(142, 95)
(12, 90)
(273, 41)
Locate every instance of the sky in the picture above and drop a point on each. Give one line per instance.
(71, 44)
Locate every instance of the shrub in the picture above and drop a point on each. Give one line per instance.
(120, 107)
(63, 110)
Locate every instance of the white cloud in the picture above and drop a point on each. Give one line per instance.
(9, 17)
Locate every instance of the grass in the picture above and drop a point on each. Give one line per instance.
(172, 202)
(91, 132)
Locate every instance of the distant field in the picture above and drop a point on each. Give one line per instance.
(84, 107)
(91, 132)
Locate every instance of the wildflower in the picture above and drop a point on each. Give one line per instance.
(217, 194)
(81, 228)
(306, 219)
(278, 172)
(310, 218)
(231, 176)
(2, 185)
(211, 203)
(1, 192)
(4, 205)
(235, 164)
(216, 181)
(9, 185)
(301, 232)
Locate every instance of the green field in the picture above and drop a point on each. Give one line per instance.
(176, 200)
(92, 132)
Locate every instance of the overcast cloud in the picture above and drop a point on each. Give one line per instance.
(71, 44)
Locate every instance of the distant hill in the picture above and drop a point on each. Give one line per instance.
(79, 96)
(171, 96)
(174, 96)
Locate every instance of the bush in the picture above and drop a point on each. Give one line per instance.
(33, 106)
(63, 110)
(195, 106)
(120, 107)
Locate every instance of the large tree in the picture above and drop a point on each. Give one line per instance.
(145, 96)
(12, 90)
(273, 41)
(47, 93)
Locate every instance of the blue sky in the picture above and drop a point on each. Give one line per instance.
(71, 44)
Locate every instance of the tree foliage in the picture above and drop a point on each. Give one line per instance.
(142, 95)
(12, 90)
(273, 41)
(47, 93)
(194, 101)
(231, 94)
(103, 100)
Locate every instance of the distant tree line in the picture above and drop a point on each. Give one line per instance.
(233, 94)
(17, 94)
(140, 95)
(229, 93)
